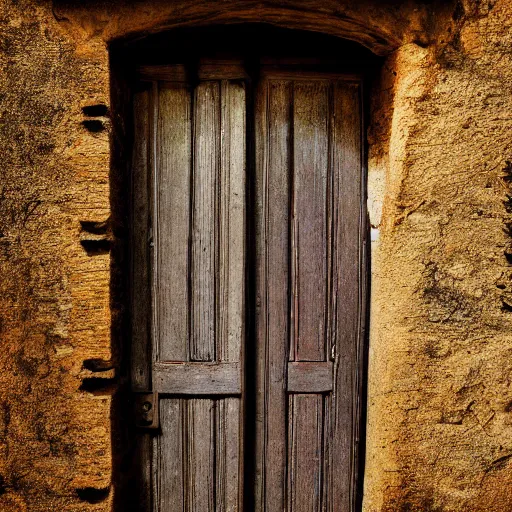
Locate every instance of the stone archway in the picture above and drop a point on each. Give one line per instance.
(382, 27)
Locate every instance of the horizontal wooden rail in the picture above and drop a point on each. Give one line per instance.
(310, 377)
(206, 70)
(197, 378)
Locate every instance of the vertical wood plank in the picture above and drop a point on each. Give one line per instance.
(327, 469)
(259, 387)
(231, 290)
(140, 291)
(140, 297)
(346, 331)
(172, 190)
(171, 235)
(229, 456)
(309, 228)
(231, 230)
(309, 258)
(204, 214)
(201, 455)
(305, 453)
(169, 469)
(201, 438)
(273, 203)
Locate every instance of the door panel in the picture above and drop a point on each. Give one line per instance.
(309, 239)
(309, 219)
(193, 162)
(171, 220)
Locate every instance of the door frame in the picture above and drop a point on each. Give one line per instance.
(364, 282)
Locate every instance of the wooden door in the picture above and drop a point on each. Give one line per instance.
(292, 380)
(189, 210)
(309, 292)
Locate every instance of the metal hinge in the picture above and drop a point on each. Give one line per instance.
(146, 410)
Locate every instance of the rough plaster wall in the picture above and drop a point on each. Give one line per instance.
(439, 433)
(54, 298)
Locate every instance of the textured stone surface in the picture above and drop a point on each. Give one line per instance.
(54, 298)
(440, 427)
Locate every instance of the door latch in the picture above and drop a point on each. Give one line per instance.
(146, 410)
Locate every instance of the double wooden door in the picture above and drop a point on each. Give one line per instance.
(247, 295)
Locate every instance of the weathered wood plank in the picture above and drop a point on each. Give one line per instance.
(165, 73)
(204, 225)
(327, 468)
(206, 70)
(309, 227)
(231, 291)
(221, 70)
(294, 69)
(140, 369)
(171, 189)
(140, 291)
(229, 456)
(171, 231)
(309, 293)
(169, 469)
(347, 270)
(305, 454)
(200, 488)
(143, 473)
(218, 253)
(231, 224)
(310, 377)
(273, 132)
(197, 378)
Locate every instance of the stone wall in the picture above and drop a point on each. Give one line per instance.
(439, 434)
(440, 365)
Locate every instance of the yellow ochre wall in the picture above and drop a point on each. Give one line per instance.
(439, 432)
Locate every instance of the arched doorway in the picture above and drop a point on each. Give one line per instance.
(248, 258)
